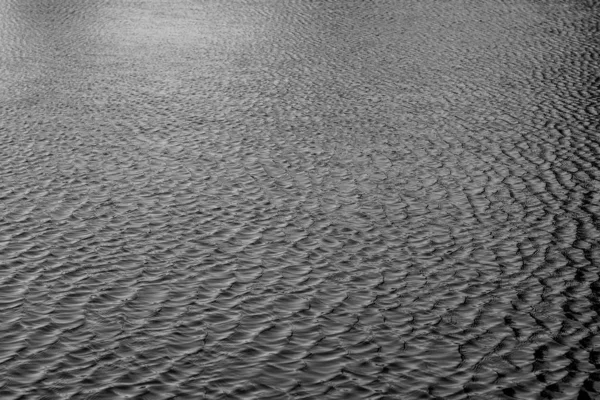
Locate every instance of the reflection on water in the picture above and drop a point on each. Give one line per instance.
(316, 199)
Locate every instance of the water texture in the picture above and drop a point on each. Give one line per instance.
(391, 199)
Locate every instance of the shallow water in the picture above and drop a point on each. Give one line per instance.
(299, 199)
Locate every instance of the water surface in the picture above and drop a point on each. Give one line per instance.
(299, 199)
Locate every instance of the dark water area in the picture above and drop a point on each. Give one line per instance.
(299, 199)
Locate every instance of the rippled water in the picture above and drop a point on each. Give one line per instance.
(299, 199)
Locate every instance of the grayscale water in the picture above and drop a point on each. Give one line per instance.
(391, 199)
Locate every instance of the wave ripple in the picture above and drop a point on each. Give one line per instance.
(308, 199)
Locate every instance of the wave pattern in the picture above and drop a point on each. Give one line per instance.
(308, 199)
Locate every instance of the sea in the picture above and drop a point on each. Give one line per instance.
(299, 199)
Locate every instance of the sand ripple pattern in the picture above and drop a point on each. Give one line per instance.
(299, 199)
